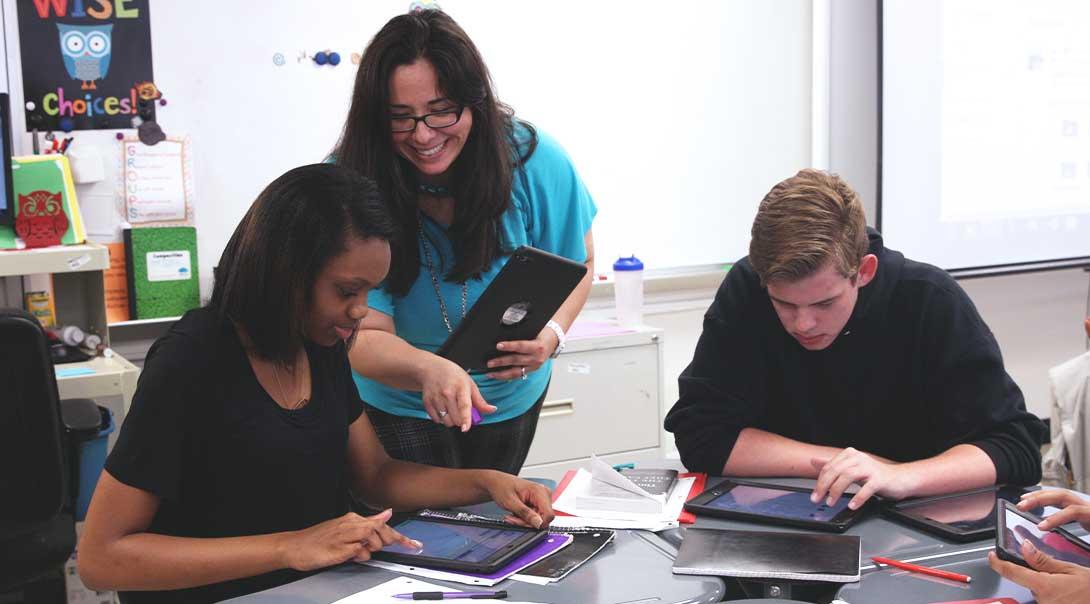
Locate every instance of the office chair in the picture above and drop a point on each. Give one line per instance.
(37, 527)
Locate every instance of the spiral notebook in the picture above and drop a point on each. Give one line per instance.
(769, 555)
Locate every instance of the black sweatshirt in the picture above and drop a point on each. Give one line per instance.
(914, 372)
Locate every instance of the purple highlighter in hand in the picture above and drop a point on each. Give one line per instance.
(474, 416)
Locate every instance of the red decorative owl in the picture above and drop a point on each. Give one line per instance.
(41, 221)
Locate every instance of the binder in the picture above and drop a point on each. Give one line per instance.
(45, 176)
(162, 271)
(769, 555)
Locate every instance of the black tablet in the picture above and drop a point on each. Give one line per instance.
(961, 517)
(1013, 527)
(525, 294)
(459, 545)
(774, 504)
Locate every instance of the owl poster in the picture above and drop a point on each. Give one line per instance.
(82, 60)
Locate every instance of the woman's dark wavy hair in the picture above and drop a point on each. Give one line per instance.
(481, 175)
(265, 278)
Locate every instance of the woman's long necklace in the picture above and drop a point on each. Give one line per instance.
(276, 374)
(435, 282)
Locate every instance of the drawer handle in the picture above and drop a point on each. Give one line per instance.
(564, 406)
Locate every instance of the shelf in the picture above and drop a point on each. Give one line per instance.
(135, 322)
(98, 366)
(99, 377)
(57, 259)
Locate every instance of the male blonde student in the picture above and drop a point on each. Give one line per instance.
(827, 355)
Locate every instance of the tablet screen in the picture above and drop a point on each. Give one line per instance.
(460, 542)
(969, 512)
(775, 502)
(1019, 529)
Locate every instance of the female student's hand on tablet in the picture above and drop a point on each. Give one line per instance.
(1075, 508)
(528, 502)
(1050, 580)
(350, 537)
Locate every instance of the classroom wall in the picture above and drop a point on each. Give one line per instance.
(238, 107)
(1036, 318)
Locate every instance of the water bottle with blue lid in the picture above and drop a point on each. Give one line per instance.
(628, 291)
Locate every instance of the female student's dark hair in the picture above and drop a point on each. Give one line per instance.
(482, 174)
(265, 277)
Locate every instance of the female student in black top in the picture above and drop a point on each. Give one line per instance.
(233, 468)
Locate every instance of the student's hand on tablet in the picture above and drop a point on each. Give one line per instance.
(449, 393)
(523, 356)
(1075, 508)
(1051, 581)
(349, 537)
(874, 476)
(528, 502)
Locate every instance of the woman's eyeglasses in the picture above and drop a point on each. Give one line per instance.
(436, 119)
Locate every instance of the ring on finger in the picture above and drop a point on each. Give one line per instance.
(442, 413)
(524, 373)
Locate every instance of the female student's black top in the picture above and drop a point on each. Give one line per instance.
(222, 456)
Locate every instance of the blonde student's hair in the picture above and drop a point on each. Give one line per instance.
(805, 222)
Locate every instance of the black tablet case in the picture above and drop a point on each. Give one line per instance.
(899, 511)
(457, 566)
(1001, 527)
(541, 280)
(695, 505)
(769, 555)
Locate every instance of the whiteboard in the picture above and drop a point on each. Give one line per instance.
(679, 116)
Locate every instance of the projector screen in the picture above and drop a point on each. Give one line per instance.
(986, 132)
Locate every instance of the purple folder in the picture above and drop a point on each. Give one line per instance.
(542, 550)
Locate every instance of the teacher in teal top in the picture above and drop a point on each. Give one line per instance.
(468, 184)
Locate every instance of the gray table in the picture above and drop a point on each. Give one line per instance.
(882, 537)
(634, 569)
(899, 587)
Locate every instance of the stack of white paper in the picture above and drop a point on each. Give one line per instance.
(588, 509)
(611, 491)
